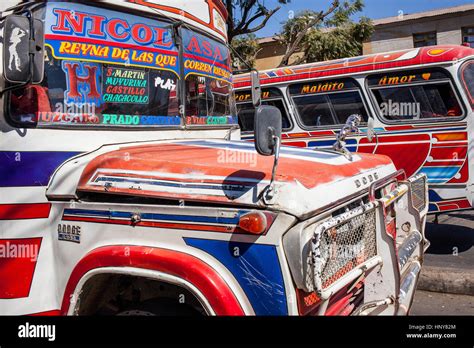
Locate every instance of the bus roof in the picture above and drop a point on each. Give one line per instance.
(373, 62)
(208, 15)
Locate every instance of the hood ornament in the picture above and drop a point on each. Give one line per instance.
(351, 127)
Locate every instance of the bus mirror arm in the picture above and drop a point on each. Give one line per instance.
(267, 125)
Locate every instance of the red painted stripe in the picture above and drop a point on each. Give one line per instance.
(339, 305)
(18, 259)
(445, 207)
(392, 128)
(296, 143)
(403, 138)
(446, 163)
(185, 266)
(24, 211)
(447, 153)
(454, 204)
(206, 60)
(464, 175)
(322, 133)
(53, 312)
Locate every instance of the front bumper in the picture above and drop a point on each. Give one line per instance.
(379, 243)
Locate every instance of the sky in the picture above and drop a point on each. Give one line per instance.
(374, 9)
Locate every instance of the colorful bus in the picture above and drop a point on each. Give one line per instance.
(125, 188)
(420, 102)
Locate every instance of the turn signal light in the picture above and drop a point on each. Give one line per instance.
(254, 222)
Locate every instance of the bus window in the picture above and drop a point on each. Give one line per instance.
(327, 103)
(246, 110)
(346, 104)
(208, 96)
(416, 95)
(467, 78)
(314, 110)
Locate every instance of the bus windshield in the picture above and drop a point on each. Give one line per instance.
(109, 69)
(209, 93)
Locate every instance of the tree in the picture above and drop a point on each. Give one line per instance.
(247, 48)
(343, 41)
(326, 34)
(248, 16)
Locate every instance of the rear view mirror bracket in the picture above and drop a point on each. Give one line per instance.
(270, 190)
(267, 142)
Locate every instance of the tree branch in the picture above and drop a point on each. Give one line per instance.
(292, 48)
(230, 17)
(301, 59)
(243, 25)
(268, 15)
(247, 8)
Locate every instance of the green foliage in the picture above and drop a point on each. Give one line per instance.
(331, 37)
(339, 42)
(247, 48)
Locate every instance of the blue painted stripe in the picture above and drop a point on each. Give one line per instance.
(433, 196)
(439, 174)
(330, 143)
(256, 268)
(153, 216)
(18, 168)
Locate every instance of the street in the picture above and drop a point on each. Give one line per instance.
(436, 303)
(452, 240)
(448, 267)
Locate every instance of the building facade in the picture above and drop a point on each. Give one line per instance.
(453, 25)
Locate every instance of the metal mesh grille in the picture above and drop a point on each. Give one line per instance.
(347, 245)
(419, 193)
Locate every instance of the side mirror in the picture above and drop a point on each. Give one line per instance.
(267, 125)
(23, 49)
(256, 88)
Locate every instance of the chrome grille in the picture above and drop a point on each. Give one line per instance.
(418, 189)
(342, 243)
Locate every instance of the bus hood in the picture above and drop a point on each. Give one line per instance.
(218, 171)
